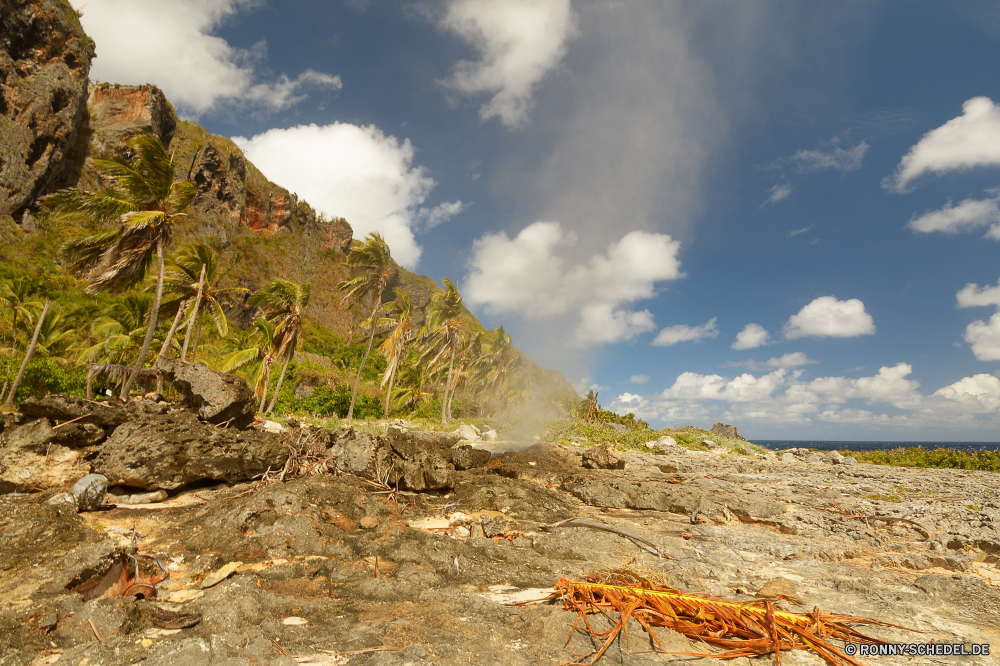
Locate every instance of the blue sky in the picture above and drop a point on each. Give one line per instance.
(778, 215)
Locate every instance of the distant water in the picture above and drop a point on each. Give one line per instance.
(778, 444)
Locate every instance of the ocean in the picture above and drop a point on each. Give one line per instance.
(778, 444)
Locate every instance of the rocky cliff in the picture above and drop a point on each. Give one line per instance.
(44, 62)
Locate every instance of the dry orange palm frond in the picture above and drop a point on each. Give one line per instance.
(741, 629)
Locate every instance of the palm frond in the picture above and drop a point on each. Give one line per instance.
(181, 195)
(740, 629)
(104, 206)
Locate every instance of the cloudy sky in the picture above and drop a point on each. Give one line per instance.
(781, 215)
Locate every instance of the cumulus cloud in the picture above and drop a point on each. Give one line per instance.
(779, 192)
(782, 397)
(173, 45)
(972, 295)
(970, 140)
(967, 215)
(751, 337)
(790, 360)
(837, 158)
(828, 317)
(671, 335)
(429, 218)
(358, 173)
(519, 43)
(639, 379)
(984, 338)
(527, 276)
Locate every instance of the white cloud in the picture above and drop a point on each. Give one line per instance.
(779, 192)
(972, 295)
(782, 398)
(792, 360)
(984, 338)
(519, 43)
(527, 276)
(828, 317)
(639, 379)
(976, 394)
(172, 45)
(358, 173)
(967, 215)
(842, 160)
(795, 232)
(432, 217)
(751, 337)
(671, 335)
(970, 140)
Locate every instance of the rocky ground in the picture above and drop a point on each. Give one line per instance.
(403, 549)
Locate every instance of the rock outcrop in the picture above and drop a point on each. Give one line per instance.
(728, 431)
(116, 113)
(217, 397)
(44, 63)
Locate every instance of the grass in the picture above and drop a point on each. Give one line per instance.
(638, 438)
(988, 461)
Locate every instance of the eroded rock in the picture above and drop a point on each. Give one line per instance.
(603, 456)
(165, 452)
(218, 397)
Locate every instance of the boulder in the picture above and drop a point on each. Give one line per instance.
(44, 64)
(603, 456)
(422, 460)
(66, 408)
(708, 444)
(218, 397)
(727, 431)
(833, 458)
(666, 444)
(31, 459)
(468, 432)
(359, 453)
(487, 434)
(89, 492)
(168, 451)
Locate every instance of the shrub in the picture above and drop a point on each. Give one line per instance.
(43, 376)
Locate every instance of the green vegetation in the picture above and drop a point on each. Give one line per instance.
(917, 456)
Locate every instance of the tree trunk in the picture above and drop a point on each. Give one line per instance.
(388, 395)
(364, 359)
(170, 334)
(139, 362)
(447, 386)
(194, 314)
(266, 370)
(27, 356)
(197, 331)
(281, 378)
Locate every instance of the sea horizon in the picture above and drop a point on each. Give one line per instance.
(829, 445)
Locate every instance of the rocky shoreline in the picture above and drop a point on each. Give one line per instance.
(345, 547)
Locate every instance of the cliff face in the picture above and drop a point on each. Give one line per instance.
(44, 62)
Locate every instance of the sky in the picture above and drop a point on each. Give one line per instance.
(780, 215)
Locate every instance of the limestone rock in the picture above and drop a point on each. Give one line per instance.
(31, 460)
(468, 432)
(603, 456)
(165, 452)
(89, 492)
(666, 444)
(218, 397)
(44, 63)
(66, 408)
(727, 431)
(116, 113)
(358, 453)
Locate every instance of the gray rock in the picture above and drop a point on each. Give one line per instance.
(66, 408)
(468, 432)
(422, 460)
(665, 444)
(708, 444)
(357, 452)
(727, 431)
(603, 456)
(788, 457)
(849, 461)
(89, 492)
(833, 458)
(142, 498)
(218, 397)
(814, 458)
(44, 63)
(165, 452)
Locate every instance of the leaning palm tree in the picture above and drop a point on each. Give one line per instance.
(182, 279)
(400, 317)
(284, 302)
(55, 335)
(374, 261)
(253, 349)
(497, 366)
(444, 334)
(114, 334)
(143, 204)
(9, 402)
(16, 295)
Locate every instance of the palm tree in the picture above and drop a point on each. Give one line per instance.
(497, 366)
(284, 301)
(400, 317)
(410, 391)
(182, 280)
(144, 203)
(469, 352)
(16, 294)
(117, 331)
(374, 261)
(253, 349)
(55, 334)
(9, 402)
(444, 329)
